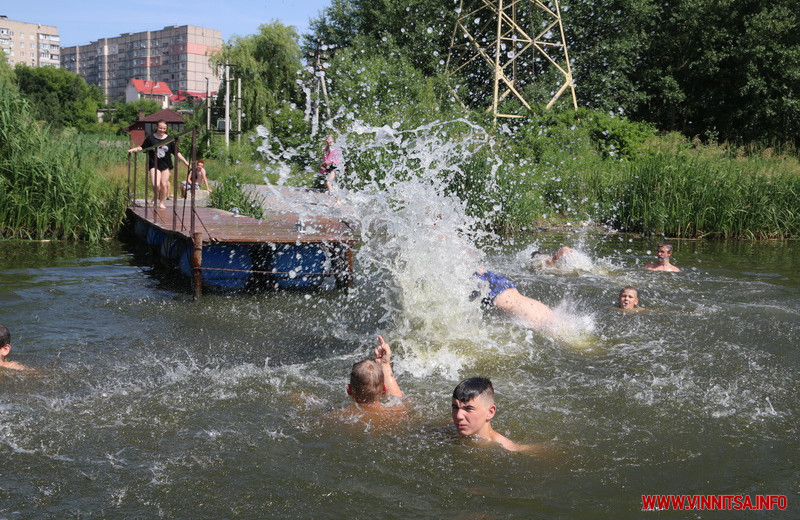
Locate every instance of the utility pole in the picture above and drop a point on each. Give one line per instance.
(227, 106)
(239, 109)
(319, 88)
(208, 114)
(494, 40)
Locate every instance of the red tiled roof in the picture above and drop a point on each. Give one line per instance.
(183, 95)
(146, 86)
(170, 116)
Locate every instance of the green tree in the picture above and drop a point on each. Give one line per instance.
(58, 96)
(720, 69)
(6, 72)
(379, 85)
(420, 29)
(125, 114)
(268, 64)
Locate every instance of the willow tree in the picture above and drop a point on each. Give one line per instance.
(268, 64)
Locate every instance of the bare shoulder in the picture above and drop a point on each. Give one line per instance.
(537, 449)
(635, 310)
(13, 365)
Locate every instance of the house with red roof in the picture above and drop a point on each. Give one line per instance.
(158, 91)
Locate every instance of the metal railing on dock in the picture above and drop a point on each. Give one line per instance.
(280, 247)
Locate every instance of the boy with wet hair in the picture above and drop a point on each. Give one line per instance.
(473, 408)
(628, 299)
(5, 349)
(663, 254)
(369, 379)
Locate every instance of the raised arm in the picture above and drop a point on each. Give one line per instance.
(383, 356)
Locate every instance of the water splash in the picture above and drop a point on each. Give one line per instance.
(419, 244)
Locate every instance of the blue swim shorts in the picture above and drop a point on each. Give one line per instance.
(497, 284)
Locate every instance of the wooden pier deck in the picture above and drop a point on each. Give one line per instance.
(284, 249)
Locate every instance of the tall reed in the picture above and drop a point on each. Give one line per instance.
(48, 186)
(687, 197)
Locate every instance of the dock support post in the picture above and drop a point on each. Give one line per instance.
(197, 263)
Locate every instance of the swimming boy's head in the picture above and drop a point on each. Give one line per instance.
(5, 336)
(664, 251)
(473, 406)
(628, 298)
(366, 382)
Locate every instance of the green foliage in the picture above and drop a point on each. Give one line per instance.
(59, 97)
(717, 69)
(268, 64)
(680, 196)
(6, 72)
(420, 29)
(125, 114)
(721, 70)
(231, 194)
(48, 186)
(379, 85)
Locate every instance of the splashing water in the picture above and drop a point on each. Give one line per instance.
(419, 243)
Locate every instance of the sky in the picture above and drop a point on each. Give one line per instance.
(83, 21)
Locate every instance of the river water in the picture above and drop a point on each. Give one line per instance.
(145, 404)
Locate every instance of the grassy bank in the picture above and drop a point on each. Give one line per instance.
(669, 186)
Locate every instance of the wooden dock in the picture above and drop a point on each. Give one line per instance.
(220, 249)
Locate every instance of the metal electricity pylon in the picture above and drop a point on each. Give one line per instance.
(513, 45)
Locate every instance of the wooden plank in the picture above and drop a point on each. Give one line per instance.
(219, 226)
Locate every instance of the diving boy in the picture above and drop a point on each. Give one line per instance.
(504, 295)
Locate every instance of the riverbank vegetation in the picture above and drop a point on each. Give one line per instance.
(49, 186)
(679, 132)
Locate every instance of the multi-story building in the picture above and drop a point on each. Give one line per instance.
(176, 55)
(33, 44)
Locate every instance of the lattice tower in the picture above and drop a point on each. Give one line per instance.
(508, 44)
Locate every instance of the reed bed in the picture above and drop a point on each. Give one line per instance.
(667, 186)
(48, 185)
(686, 197)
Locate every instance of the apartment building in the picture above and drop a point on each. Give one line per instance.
(33, 44)
(176, 55)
